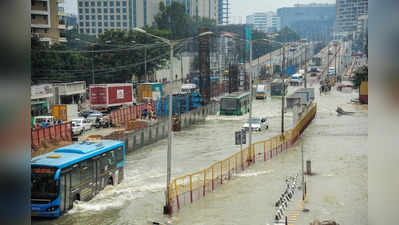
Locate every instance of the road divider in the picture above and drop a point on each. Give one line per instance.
(192, 187)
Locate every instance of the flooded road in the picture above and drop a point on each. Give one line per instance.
(335, 144)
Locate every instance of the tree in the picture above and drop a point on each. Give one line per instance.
(287, 35)
(361, 74)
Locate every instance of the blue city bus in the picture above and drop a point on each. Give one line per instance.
(74, 172)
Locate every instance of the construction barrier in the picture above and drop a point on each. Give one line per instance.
(190, 188)
(121, 116)
(55, 133)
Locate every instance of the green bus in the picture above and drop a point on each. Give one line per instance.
(235, 104)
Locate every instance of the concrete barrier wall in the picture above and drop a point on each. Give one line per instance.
(159, 130)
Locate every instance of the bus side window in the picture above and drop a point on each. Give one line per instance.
(75, 176)
(119, 154)
(85, 170)
(111, 158)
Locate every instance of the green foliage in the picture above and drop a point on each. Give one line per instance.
(361, 74)
(287, 35)
(174, 19)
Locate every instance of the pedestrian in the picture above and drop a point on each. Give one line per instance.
(44, 124)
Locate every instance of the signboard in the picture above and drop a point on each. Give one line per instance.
(240, 137)
(248, 36)
(120, 94)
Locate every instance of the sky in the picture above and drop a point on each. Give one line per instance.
(239, 8)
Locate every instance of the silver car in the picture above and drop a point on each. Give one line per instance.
(257, 124)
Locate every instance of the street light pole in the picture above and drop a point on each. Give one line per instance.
(283, 93)
(170, 133)
(250, 91)
(145, 62)
(305, 68)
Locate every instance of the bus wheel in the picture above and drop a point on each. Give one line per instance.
(110, 181)
(76, 198)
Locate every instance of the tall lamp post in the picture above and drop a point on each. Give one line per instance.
(171, 44)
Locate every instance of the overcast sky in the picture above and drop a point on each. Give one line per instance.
(239, 8)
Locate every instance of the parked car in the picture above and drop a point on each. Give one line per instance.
(92, 117)
(257, 124)
(85, 123)
(77, 129)
(88, 112)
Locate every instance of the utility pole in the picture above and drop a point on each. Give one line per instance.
(145, 62)
(250, 100)
(283, 91)
(303, 174)
(306, 69)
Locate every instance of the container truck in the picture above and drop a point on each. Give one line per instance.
(65, 112)
(109, 96)
(152, 91)
(364, 92)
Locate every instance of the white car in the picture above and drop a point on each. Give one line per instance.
(77, 129)
(84, 123)
(257, 124)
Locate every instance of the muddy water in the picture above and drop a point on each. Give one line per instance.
(334, 144)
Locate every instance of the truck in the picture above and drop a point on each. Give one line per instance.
(65, 112)
(278, 88)
(364, 92)
(152, 91)
(260, 91)
(109, 96)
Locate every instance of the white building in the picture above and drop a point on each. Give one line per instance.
(266, 22)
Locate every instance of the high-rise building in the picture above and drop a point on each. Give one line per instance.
(310, 21)
(348, 13)
(266, 22)
(48, 20)
(223, 11)
(202, 8)
(96, 16)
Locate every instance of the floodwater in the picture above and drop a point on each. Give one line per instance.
(335, 144)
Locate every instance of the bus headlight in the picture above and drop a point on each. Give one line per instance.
(52, 208)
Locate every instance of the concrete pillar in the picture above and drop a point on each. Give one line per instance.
(308, 167)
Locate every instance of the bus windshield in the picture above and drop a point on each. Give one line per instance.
(229, 104)
(43, 184)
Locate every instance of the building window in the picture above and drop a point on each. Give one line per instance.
(124, 17)
(87, 17)
(93, 24)
(105, 17)
(93, 4)
(118, 17)
(105, 10)
(87, 10)
(87, 4)
(124, 24)
(93, 30)
(124, 3)
(111, 3)
(93, 17)
(118, 3)
(81, 24)
(81, 30)
(99, 17)
(105, 3)
(80, 4)
(112, 24)
(118, 10)
(112, 17)
(111, 10)
(93, 10)
(87, 24)
(88, 31)
(100, 24)
(100, 30)
(118, 24)
(99, 10)
(80, 11)
(124, 10)
(98, 3)
(105, 24)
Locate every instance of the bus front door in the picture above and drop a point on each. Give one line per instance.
(65, 203)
